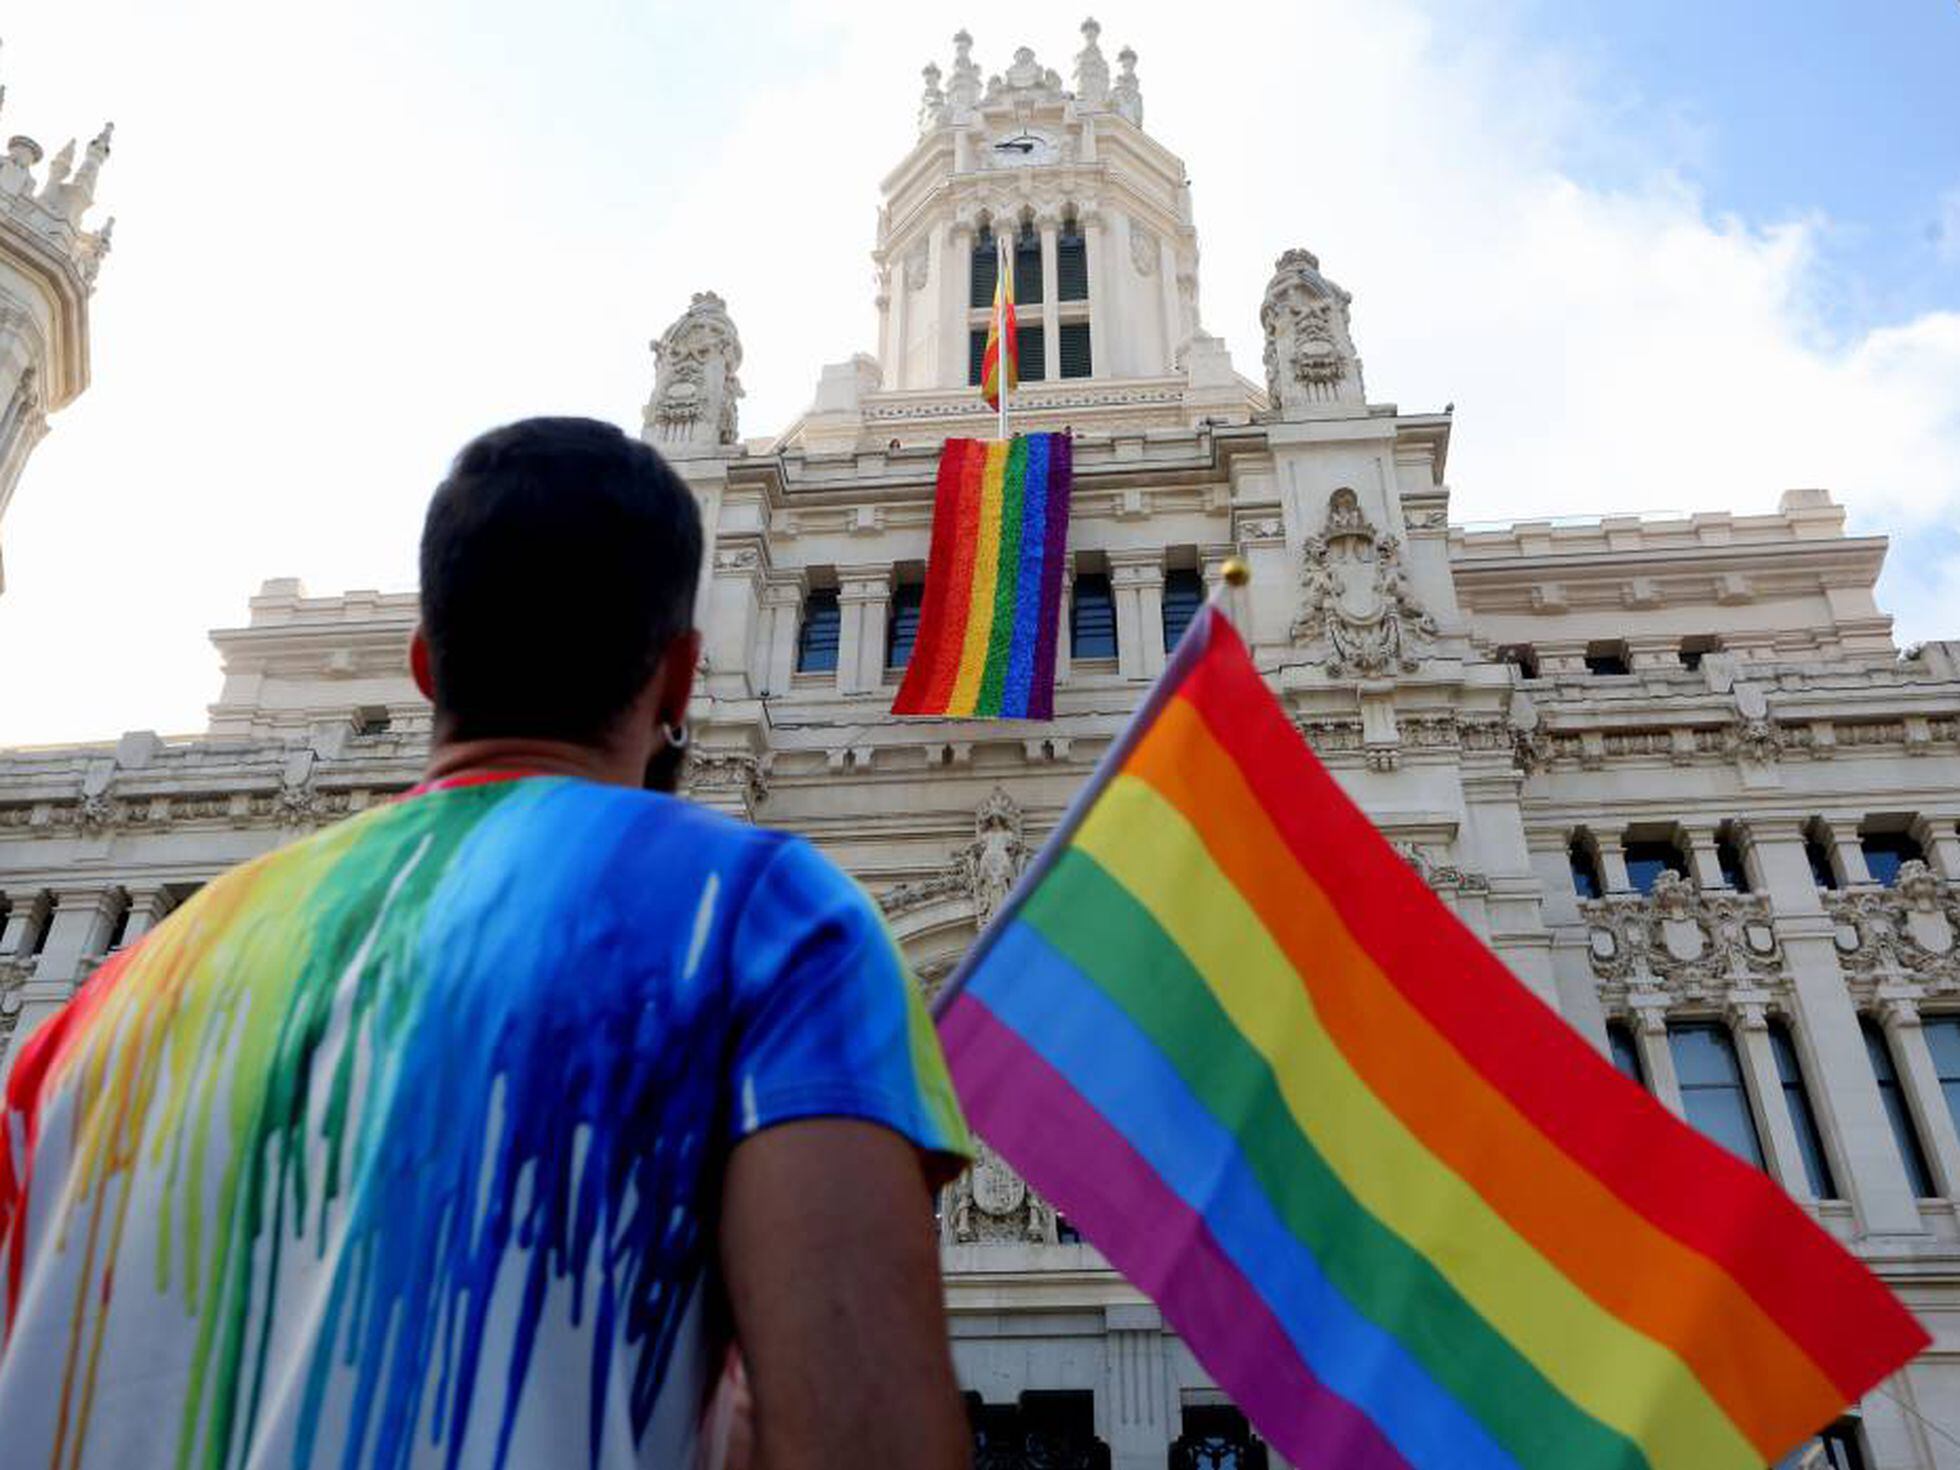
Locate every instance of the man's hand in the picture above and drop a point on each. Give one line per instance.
(832, 1266)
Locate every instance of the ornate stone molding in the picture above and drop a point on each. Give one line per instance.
(992, 1205)
(1442, 877)
(739, 772)
(1356, 598)
(695, 387)
(1680, 945)
(1908, 932)
(983, 872)
(1038, 399)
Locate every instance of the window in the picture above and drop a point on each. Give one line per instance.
(1712, 1093)
(1625, 1052)
(1075, 349)
(1887, 852)
(902, 631)
(1823, 870)
(1693, 649)
(1586, 881)
(1943, 1040)
(1216, 1437)
(1071, 264)
(119, 931)
(1911, 1152)
(1184, 594)
(1607, 658)
(1032, 366)
(1027, 267)
(1522, 657)
(976, 355)
(986, 269)
(1092, 617)
(1728, 857)
(1646, 861)
(816, 640)
(43, 924)
(1803, 1119)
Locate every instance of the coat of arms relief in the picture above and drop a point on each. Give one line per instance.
(1356, 600)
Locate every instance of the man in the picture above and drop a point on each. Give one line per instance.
(468, 1131)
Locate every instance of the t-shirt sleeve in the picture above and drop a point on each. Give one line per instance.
(829, 1022)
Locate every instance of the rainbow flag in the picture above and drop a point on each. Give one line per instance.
(1397, 1207)
(1003, 350)
(987, 625)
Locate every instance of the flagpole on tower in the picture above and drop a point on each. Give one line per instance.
(1005, 269)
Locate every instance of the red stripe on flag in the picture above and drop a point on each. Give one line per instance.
(930, 639)
(962, 553)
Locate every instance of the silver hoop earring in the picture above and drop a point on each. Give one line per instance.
(677, 735)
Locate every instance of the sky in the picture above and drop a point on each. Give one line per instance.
(1664, 256)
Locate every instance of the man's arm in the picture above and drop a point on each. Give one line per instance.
(832, 1266)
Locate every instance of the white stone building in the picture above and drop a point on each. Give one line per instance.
(48, 262)
(1673, 770)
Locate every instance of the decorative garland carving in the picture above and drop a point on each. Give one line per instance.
(991, 1204)
(1689, 945)
(1910, 931)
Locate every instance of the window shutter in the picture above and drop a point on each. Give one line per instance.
(1027, 269)
(816, 640)
(1184, 594)
(1034, 353)
(1092, 617)
(976, 355)
(1071, 267)
(986, 269)
(1075, 349)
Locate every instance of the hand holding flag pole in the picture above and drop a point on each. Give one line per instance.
(1400, 1210)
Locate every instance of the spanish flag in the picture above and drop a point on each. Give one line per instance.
(1003, 343)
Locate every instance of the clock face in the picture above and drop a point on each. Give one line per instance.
(1024, 146)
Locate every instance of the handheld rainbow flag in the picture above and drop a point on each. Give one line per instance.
(1003, 351)
(988, 620)
(1398, 1208)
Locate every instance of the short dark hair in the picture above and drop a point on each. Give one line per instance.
(559, 559)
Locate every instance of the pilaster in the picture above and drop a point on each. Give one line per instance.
(1899, 1015)
(1749, 1023)
(1657, 1055)
(149, 905)
(782, 605)
(1095, 247)
(864, 600)
(954, 265)
(1136, 1403)
(1051, 307)
(1136, 581)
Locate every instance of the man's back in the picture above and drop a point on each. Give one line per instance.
(404, 1145)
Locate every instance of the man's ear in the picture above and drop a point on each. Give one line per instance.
(675, 677)
(418, 664)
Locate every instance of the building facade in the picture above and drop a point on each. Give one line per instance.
(1674, 771)
(48, 262)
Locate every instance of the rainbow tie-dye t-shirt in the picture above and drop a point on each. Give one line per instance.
(402, 1146)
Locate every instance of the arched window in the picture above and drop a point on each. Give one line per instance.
(1027, 267)
(1071, 263)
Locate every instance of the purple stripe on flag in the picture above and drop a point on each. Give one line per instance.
(1028, 607)
(1054, 549)
(1069, 1152)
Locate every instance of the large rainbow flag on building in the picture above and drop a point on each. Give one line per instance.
(1399, 1209)
(992, 604)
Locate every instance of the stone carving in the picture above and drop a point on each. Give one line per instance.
(996, 857)
(726, 772)
(932, 104)
(1442, 877)
(1091, 71)
(1686, 944)
(991, 1204)
(1143, 250)
(1754, 740)
(1356, 597)
(918, 267)
(1910, 930)
(1310, 358)
(963, 89)
(1027, 78)
(1127, 95)
(695, 387)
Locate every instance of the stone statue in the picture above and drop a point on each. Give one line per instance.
(963, 90)
(695, 388)
(997, 856)
(1311, 365)
(1127, 95)
(1091, 71)
(932, 104)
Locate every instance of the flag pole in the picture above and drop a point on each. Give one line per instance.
(1002, 295)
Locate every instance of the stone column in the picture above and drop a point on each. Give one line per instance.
(1051, 310)
(81, 923)
(864, 601)
(149, 905)
(1852, 867)
(782, 605)
(1941, 839)
(956, 264)
(1093, 247)
(1657, 1056)
(1135, 1407)
(1832, 1047)
(1065, 623)
(1749, 1024)
(1136, 581)
(1920, 1079)
(1613, 865)
(20, 920)
(1167, 280)
(1701, 856)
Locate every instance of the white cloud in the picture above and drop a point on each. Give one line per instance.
(401, 246)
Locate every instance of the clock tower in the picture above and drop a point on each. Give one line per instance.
(1097, 215)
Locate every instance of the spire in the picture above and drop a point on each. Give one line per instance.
(1127, 96)
(1091, 71)
(932, 104)
(963, 90)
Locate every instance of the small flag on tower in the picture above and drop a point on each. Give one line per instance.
(1003, 354)
(992, 604)
(1398, 1208)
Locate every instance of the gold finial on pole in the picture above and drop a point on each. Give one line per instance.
(1235, 572)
